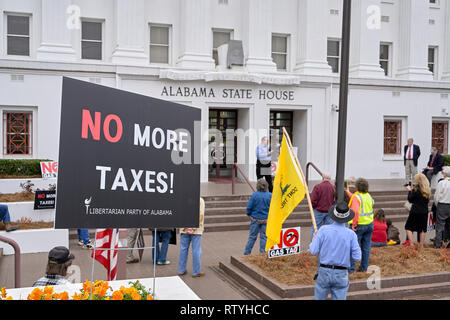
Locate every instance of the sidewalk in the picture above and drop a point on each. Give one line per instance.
(216, 247)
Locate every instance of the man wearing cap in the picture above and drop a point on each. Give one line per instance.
(335, 244)
(59, 259)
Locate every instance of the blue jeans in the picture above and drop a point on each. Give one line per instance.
(332, 280)
(83, 235)
(322, 218)
(4, 214)
(256, 228)
(364, 234)
(378, 244)
(185, 241)
(161, 252)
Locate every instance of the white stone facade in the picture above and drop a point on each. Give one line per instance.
(410, 93)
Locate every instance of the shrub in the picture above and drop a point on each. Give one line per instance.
(446, 159)
(20, 167)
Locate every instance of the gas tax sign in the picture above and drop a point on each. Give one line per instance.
(125, 160)
(289, 243)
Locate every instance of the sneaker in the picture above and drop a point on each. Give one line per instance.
(80, 243)
(182, 274)
(12, 228)
(198, 275)
(134, 260)
(87, 246)
(163, 263)
(391, 243)
(406, 243)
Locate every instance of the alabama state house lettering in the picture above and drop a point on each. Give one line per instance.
(227, 93)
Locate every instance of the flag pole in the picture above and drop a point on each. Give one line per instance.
(305, 183)
(93, 262)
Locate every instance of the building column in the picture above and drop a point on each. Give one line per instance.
(365, 42)
(130, 33)
(196, 35)
(446, 69)
(312, 38)
(257, 35)
(56, 39)
(413, 46)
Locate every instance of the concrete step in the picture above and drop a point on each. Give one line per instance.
(303, 205)
(390, 287)
(397, 293)
(243, 212)
(306, 222)
(244, 280)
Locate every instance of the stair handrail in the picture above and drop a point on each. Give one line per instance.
(310, 164)
(236, 168)
(16, 259)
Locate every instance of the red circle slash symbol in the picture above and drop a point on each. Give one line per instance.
(291, 237)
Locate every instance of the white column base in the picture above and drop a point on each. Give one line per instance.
(421, 74)
(196, 61)
(446, 75)
(260, 65)
(313, 67)
(56, 52)
(366, 71)
(129, 56)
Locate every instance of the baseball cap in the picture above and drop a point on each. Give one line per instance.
(60, 255)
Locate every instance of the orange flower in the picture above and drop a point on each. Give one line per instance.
(135, 296)
(48, 290)
(149, 297)
(117, 295)
(36, 294)
(48, 296)
(9, 298)
(3, 291)
(62, 296)
(87, 286)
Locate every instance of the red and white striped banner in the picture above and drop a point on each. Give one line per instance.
(107, 239)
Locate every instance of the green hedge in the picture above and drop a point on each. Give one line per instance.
(446, 159)
(19, 168)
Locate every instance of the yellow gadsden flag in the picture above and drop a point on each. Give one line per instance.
(288, 191)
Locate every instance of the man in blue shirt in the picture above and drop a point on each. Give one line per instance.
(335, 244)
(263, 162)
(258, 210)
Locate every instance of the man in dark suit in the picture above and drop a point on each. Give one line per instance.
(434, 165)
(410, 158)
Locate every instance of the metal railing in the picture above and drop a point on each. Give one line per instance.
(234, 172)
(310, 164)
(16, 259)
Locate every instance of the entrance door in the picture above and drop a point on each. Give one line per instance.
(221, 120)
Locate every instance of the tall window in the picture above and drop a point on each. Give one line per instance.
(18, 35)
(333, 54)
(17, 133)
(91, 40)
(280, 119)
(279, 51)
(432, 60)
(220, 37)
(384, 58)
(439, 136)
(159, 44)
(392, 137)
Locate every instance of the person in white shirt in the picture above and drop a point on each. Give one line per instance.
(442, 201)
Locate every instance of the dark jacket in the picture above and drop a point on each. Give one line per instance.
(437, 164)
(416, 154)
(419, 202)
(322, 196)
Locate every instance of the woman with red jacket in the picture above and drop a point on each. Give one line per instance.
(379, 235)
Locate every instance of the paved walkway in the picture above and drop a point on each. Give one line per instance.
(216, 247)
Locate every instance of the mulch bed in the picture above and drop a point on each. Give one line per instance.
(30, 225)
(5, 176)
(297, 270)
(17, 197)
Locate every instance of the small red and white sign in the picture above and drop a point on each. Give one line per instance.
(49, 169)
(289, 243)
(431, 225)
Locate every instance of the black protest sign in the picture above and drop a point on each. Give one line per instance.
(116, 160)
(44, 199)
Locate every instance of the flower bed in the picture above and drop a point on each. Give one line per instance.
(99, 290)
(393, 261)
